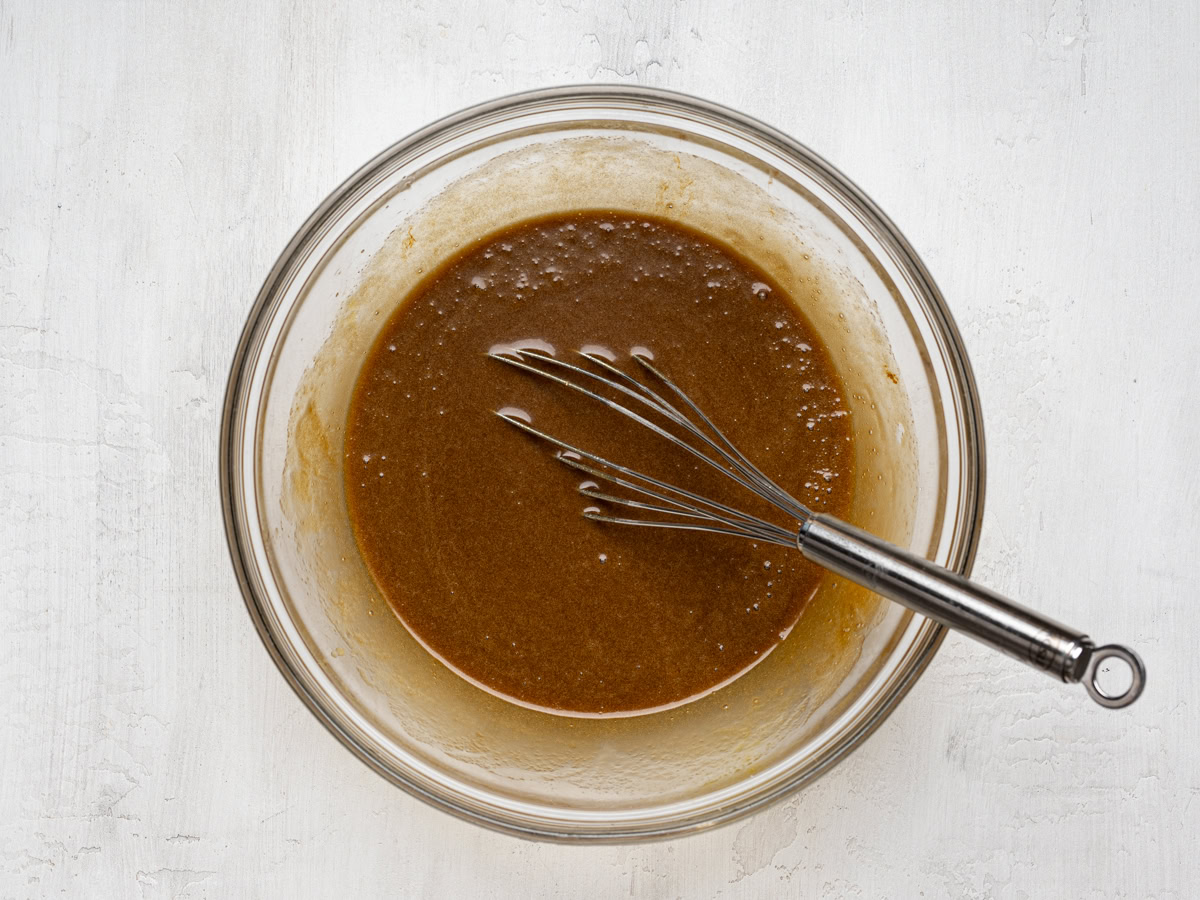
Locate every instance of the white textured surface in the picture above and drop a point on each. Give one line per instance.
(154, 159)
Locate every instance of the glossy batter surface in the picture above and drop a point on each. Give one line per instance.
(473, 531)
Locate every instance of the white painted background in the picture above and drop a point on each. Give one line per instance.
(154, 159)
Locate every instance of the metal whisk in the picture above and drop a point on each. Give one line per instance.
(918, 584)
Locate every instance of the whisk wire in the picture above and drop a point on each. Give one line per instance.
(747, 525)
(736, 519)
(722, 445)
(774, 535)
(716, 509)
(642, 394)
(785, 500)
(737, 466)
(680, 503)
(687, 526)
(520, 359)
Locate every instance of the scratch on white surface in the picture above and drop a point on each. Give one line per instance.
(761, 839)
(171, 883)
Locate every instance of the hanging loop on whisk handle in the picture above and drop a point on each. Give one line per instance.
(957, 603)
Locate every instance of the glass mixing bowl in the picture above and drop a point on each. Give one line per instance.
(851, 657)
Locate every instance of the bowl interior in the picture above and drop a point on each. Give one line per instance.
(919, 458)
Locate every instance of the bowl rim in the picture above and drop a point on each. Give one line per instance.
(959, 370)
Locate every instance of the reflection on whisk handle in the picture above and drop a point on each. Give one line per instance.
(957, 603)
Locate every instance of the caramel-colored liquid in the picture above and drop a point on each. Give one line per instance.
(473, 531)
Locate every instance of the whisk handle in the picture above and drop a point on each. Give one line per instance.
(960, 604)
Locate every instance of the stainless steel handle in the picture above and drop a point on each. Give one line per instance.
(957, 603)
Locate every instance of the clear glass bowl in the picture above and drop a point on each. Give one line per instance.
(851, 657)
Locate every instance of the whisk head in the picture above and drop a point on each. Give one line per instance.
(673, 416)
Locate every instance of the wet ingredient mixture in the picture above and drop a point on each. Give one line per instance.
(473, 531)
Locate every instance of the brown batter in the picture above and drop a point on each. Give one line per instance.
(473, 531)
